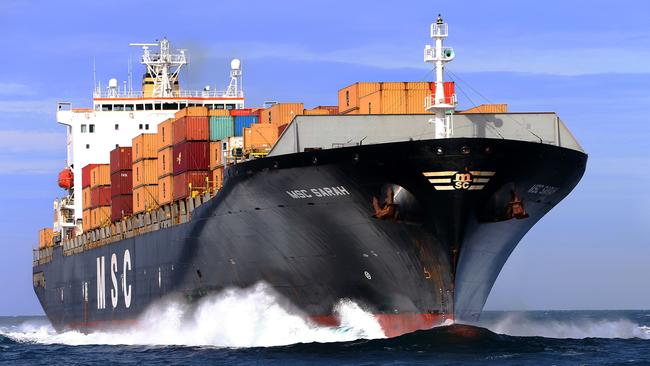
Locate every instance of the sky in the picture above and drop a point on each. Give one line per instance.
(589, 63)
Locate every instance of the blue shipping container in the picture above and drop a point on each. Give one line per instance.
(242, 122)
(221, 127)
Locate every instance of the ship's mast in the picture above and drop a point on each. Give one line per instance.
(163, 67)
(235, 87)
(439, 103)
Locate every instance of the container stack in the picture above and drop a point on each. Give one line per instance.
(387, 97)
(216, 164)
(165, 162)
(260, 137)
(85, 195)
(191, 151)
(45, 238)
(100, 196)
(121, 183)
(145, 172)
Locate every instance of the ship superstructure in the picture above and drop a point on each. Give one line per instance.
(119, 114)
(392, 198)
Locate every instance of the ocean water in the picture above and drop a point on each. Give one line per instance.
(250, 328)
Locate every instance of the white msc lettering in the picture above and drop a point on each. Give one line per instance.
(101, 283)
(114, 290)
(318, 192)
(125, 288)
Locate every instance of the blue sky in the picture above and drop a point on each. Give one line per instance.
(590, 63)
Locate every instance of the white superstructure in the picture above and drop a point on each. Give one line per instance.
(119, 115)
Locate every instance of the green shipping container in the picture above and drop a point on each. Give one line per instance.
(221, 127)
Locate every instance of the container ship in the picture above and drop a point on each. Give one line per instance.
(392, 198)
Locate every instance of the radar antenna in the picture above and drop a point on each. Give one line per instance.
(235, 87)
(163, 67)
(440, 103)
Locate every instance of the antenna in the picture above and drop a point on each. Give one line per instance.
(234, 88)
(130, 76)
(95, 86)
(439, 103)
(164, 66)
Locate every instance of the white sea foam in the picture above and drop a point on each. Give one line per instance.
(234, 318)
(519, 325)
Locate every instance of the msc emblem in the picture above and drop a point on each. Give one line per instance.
(462, 180)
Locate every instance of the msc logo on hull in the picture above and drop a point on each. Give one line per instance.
(459, 180)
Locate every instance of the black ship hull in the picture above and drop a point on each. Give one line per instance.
(416, 232)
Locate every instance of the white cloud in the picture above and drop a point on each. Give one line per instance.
(27, 166)
(12, 141)
(15, 89)
(43, 106)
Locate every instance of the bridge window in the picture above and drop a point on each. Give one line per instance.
(220, 106)
(128, 107)
(83, 128)
(230, 106)
(107, 107)
(158, 107)
(140, 126)
(117, 127)
(91, 128)
(148, 107)
(139, 107)
(170, 106)
(146, 126)
(118, 107)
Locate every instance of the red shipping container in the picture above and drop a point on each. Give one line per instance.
(198, 180)
(85, 175)
(191, 128)
(122, 206)
(120, 159)
(121, 183)
(192, 155)
(100, 196)
(241, 112)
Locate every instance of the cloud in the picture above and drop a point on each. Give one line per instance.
(12, 166)
(15, 89)
(42, 106)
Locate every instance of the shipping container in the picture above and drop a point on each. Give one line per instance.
(190, 183)
(121, 183)
(85, 198)
(393, 85)
(121, 207)
(281, 113)
(145, 198)
(281, 129)
(241, 112)
(247, 139)
(216, 154)
(332, 109)
(100, 196)
(100, 175)
(263, 136)
(144, 147)
(165, 161)
(85, 175)
(86, 222)
(166, 189)
(192, 112)
(418, 85)
(191, 155)
(370, 103)
(45, 238)
(219, 112)
(486, 108)
(190, 129)
(415, 100)
(121, 159)
(100, 217)
(164, 135)
(393, 101)
(315, 112)
(217, 178)
(221, 127)
(242, 122)
(350, 95)
(145, 172)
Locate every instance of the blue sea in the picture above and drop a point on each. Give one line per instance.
(500, 338)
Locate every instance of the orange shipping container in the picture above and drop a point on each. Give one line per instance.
(100, 217)
(216, 154)
(393, 101)
(217, 178)
(85, 198)
(219, 112)
(393, 85)
(45, 238)
(315, 112)
(263, 136)
(281, 113)
(192, 111)
(415, 100)
(349, 97)
(370, 103)
(85, 220)
(247, 139)
(165, 162)
(145, 198)
(418, 85)
(100, 175)
(145, 172)
(487, 108)
(164, 134)
(166, 189)
(144, 147)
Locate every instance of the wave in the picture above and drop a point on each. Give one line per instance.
(253, 317)
(519, 324)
